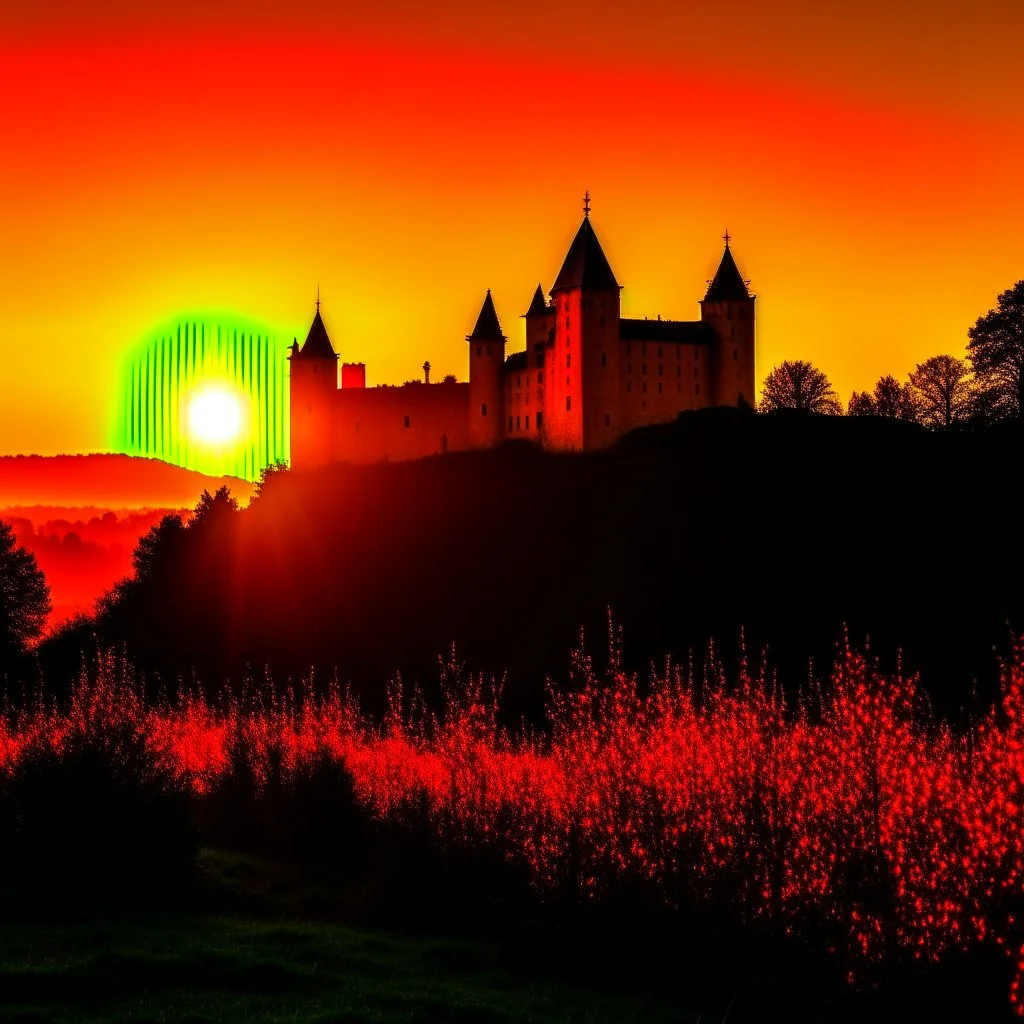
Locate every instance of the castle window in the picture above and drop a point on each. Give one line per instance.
(607, 420)
(488, 349)
(527, 421)
(629, 385)
(567, 360)
(645, 387)
(659, 387)
(568, 403)
(517, 423)
(661, 367)
(510, 424)
(478, 350)
(604, 358)
(407, 421)
(735, 354)
(483, 409)
(567, 323)
(540, 420)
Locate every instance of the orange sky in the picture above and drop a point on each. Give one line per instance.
(234, 156)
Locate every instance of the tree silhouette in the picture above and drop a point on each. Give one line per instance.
(892, 399)
(24, 596)
(797, 384)
(996, 352)
(942, 386)
(267, 474)
(861, 404)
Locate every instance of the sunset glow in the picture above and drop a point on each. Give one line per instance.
(180, 159)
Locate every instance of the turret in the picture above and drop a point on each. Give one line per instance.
(486, 389)
(728, 307)
(582, 390)
(313, 387)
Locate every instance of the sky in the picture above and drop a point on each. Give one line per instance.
(196, 157)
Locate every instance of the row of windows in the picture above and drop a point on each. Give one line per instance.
(679, 387)
(661, 350)
(517, 420)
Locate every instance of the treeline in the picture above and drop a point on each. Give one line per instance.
(942, 392)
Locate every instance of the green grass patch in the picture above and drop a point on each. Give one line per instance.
(260, 962)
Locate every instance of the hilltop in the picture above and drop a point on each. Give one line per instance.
(786, 528)
(108, 481)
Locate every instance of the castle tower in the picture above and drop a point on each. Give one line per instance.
(728, 307)
(581, 390)
(313, 389)
(540, 329)
(486, 388)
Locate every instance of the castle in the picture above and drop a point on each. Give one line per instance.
(587, 376)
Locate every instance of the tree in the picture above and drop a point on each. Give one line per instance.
(943, 390)
(996, 352)
(212, 508)
(797, 384)
(861, 404)
(274, 471)
(24, 596)
(895, 401)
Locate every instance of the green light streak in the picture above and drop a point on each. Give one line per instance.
(167, 368)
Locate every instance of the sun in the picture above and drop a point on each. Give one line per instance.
(215, 415)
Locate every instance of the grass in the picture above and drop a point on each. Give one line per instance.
(265, 964)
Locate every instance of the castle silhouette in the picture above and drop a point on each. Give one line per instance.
(586, 377)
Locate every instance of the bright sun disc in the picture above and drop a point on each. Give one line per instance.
(215, 416)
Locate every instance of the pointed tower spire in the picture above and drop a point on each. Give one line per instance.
(586, 265)
(318, 344)
(538, 307)
(727, 284)
(487, 326)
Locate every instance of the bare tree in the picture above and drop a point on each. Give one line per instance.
(797, 384)
(943, 388)
(861, 404)
(996, 352)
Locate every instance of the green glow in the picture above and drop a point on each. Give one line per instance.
(164, 374)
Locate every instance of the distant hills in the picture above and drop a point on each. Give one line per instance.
(106, 481)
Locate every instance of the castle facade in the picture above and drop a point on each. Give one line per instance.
(586, 377)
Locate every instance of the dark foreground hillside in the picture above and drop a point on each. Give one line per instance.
(788, 527)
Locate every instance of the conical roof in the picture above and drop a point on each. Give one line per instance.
(727, 285)
(487, 326)
(538, 307)
(317, 344)
(586, 265)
